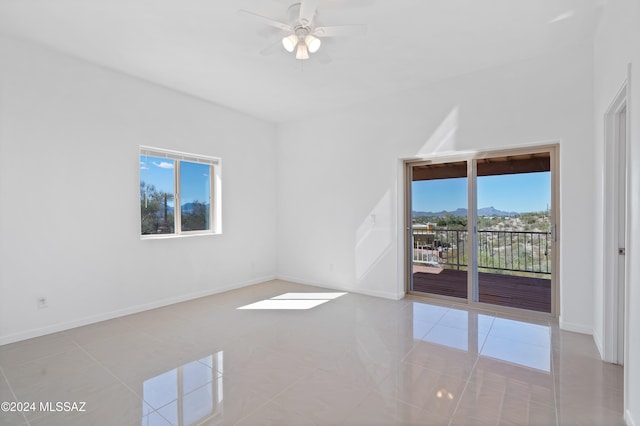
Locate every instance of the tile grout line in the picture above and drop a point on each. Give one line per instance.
(466, 385)
(21, 343)
(417, 341)
(15, 397)
(104, 367)
(272, 399)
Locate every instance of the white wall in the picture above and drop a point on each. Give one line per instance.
(616, 46)
(69, 197)
(339, 178)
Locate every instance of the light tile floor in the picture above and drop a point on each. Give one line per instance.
(346, 359)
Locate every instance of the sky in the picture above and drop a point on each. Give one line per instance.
(522, 193)
(194, 178)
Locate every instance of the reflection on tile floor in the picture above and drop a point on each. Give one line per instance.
(305, 355)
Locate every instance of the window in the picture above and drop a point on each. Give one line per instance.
(179, 193)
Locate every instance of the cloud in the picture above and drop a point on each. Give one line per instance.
(143, 167)
(163, 165)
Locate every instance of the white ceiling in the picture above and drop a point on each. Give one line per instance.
(205, 48)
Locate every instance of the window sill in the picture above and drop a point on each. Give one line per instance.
(171, 236)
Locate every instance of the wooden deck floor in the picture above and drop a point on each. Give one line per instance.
(516, 292)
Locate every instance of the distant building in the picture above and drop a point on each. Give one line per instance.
(424, 234)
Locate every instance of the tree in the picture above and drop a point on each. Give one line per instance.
(167, 222)
(450, 221)
(154, 210)
(196, 217)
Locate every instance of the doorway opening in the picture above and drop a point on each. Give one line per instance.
(615, 231)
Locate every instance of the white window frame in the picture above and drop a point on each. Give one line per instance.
(215, 210)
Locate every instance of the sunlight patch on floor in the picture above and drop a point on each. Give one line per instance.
(294, 301)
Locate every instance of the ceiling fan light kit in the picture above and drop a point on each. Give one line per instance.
(290, 42)
(313, 43)
(302, 52)
(302, 45)
(303, 35)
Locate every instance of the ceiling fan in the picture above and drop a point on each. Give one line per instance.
(302, 34)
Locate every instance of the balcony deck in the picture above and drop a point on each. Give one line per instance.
(506, 290)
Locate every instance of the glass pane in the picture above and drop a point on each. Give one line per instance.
(514, 240)
(439, 229)
(156, 195)
(195, 196)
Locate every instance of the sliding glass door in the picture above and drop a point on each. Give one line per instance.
(481, 229)
(439, 195)
(514, 231)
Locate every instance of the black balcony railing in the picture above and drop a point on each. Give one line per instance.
(514, 251)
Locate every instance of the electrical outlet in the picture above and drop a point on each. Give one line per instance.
(42, 303)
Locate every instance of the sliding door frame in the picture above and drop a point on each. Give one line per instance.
(472, 249)
(408, 220)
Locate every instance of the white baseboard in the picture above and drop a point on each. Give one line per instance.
(575, 327)
(596, 338)
(628, 419)
(54, 328)
(367, 292)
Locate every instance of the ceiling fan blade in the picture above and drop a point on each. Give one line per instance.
(336, 4)
(269, 32)
(342, 4)
(274, 47)
(265, 20)
(307, 11)
(340, 30)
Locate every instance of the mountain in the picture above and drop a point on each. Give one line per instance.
(490, 211)
(186, 208)
(485, 211)
(191, 207)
